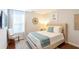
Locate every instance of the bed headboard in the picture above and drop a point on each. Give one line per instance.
(64, 30)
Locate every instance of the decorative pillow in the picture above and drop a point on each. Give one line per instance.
(58, 29)
(50, 29)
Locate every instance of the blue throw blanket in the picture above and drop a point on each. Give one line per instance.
(43, 39)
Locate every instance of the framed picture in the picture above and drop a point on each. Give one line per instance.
(76, 21)
(54, 16)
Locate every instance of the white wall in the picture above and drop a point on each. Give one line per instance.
(63, 16)
(3, 38)
(30, 27)
(67, 16)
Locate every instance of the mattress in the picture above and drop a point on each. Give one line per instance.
(55, 39)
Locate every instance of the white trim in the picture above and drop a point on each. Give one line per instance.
(74, 44)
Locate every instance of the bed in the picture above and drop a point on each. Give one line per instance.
(47, 40)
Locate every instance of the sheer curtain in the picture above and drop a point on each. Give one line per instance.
(18, 21)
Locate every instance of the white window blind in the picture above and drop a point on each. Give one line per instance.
(18, 22)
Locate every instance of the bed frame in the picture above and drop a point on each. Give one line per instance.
(64, 30)
(65, 33)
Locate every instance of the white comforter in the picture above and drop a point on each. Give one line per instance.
(54, 37)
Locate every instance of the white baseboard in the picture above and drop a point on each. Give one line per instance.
(73, 44)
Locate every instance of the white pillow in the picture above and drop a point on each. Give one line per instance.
(58, 29)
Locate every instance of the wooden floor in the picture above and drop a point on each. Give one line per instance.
(67, 46)
(11, 45)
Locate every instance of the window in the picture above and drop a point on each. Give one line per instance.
(18, 21)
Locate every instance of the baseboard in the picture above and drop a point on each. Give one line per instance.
(73, 44)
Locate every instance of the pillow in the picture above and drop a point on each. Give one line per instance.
(58, 29)
(50, 29)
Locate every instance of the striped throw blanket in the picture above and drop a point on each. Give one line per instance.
(43, 39)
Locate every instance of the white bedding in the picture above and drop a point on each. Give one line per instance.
(54, 38)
